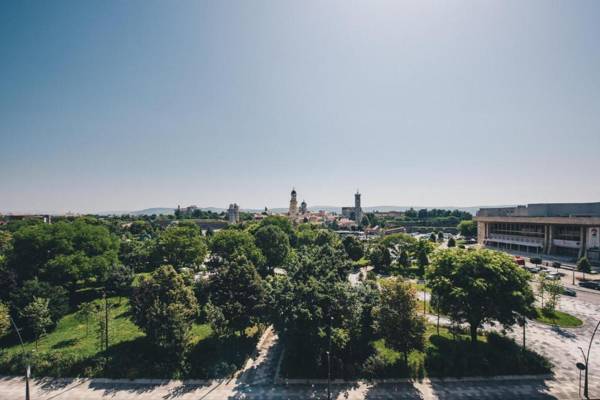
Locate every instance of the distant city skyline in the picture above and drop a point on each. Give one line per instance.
(129, 105)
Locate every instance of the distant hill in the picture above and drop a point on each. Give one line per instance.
(277, 210)
(146, 211)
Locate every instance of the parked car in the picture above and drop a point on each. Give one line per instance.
(533, 270)
(553, 277)
(535, 260)
(569, 292)
(590, 284)
(556, 264)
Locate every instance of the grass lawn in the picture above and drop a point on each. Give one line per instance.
(558, 318)
(444, 355)
(68, 351)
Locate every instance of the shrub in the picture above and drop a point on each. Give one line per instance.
(374, 366)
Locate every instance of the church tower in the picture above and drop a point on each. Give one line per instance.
(303, 207)
(293, 212)
(358, 214)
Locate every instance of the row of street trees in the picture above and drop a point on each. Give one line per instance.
(255, 274)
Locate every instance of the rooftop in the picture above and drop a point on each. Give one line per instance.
(544, 210)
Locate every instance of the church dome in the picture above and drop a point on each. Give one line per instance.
(293, 192)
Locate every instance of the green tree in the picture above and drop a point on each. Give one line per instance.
(86, 312)
(6, 242)
(58, 301)
(38, 317)
(380, 258)
(4, 320)
(353, 247)
(422, 260)
(64, 252)
(314, 301)
(119, 281)
(440, 236)
(283, 223)
(181, 246)
(164, 307)
(479, 286)
(238, 291)
(227, 244)
(396, 317)
(403, 259)
(451, 242)
(554, 290)
(542, 284)
(136, 253)
(141, 227)
(274, 244)
(583, 265)
(467, 228)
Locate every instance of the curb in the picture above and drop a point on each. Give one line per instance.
(120, 381)
(411, 380)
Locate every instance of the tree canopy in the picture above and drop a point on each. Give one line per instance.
(64, 252)
(181, 246)
(274, 244)
(479, 286)
(238, 291)
(228, 244)
(467, 228)
(396, 317)
(164, 307)
(353, 247)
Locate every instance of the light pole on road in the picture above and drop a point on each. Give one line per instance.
(586, 366)
(329, 361)
(28, 370)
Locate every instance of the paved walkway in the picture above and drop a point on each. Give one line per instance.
(94, 389)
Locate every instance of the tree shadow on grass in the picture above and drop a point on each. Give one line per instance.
(216, 358)
(64, 343)
(500, 355)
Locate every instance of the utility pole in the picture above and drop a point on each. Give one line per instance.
(28, 370)
(587, 364)
(105, 322)
(329, 361)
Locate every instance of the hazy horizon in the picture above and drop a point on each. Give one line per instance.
(129, 105)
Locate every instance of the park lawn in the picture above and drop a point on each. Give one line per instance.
(362, 262)
(68, 352)
(69, 336)
(448, 355)
(421, 287)
(444, 355)
(558, 318)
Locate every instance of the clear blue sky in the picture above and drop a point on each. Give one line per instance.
(122, 105)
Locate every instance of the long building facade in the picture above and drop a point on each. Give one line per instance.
(571, 230)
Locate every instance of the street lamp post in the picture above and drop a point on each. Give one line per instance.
(28, 370)
(586, 359)
(587, 365)
(329, 361)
